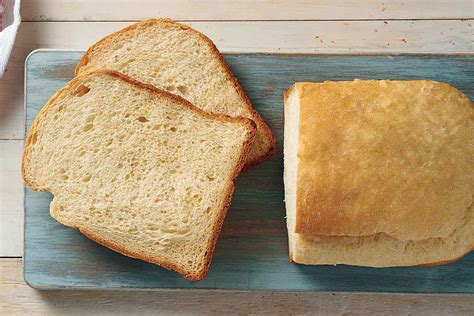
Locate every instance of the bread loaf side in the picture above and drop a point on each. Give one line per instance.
(378, 173)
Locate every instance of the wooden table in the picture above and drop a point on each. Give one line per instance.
(324, 26)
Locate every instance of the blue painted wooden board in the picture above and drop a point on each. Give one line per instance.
(252, 250)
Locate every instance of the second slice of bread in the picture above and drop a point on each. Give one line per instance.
(136, 169)
(179, 59)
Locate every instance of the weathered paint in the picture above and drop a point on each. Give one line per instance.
(252, 252)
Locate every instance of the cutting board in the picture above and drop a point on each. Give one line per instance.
(252, 251)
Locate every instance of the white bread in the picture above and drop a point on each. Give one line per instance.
(378, 173)
(179, 59)
(137, 169)
(381, 250)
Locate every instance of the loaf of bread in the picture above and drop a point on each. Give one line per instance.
(177, 58)
(379, 173)
(137, 169)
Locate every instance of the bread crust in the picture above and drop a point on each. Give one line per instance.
(401, 134)
(381, 250)
(302, 254)
(289, 91)
(249, 124)
(424, 265)
(444, 262)
(262, 126)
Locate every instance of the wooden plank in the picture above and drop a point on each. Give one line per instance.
(330, 37)
(187, 10)
(285, 37)
(11, 199)
(11, 97)
(18, 298)
(252, 250)
(327, 37)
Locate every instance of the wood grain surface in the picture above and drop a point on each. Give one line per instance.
(125, 10)
(324, 37)
(17, 298)
(11, 197)
(342, 26)
(252, 251)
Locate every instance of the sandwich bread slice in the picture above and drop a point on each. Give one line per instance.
(179, 59)
(138, 170)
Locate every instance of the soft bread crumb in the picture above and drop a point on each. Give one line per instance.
(139, 170)
(180, 60)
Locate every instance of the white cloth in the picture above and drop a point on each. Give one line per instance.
(11, 21)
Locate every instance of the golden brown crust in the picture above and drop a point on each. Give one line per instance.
(123, 77)
(249, 124)
(226, 203)
(86, 57)
(386, 145)
(33, 131)
(445, 262)
(183, 102)
(289, 91)
(216, 228)
(135, 255)
(262, 126)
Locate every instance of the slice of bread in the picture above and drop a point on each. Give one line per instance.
(378, 172)
(179, 59)
(137, 169)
